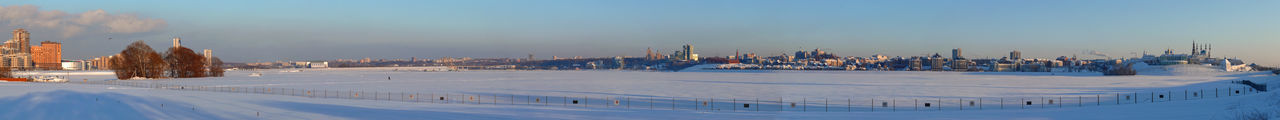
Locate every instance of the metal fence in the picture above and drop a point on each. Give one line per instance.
(803, 104)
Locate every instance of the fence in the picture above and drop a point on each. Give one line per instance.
(804, 104)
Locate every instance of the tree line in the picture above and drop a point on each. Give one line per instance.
(138, 60)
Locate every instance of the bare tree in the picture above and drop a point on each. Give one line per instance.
(138, 60)
(5, 72)
(184, 63)
(121, 68)
(215, 67)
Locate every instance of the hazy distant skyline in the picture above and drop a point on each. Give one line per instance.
(251, 30)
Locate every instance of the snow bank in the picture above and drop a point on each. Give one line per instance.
(74, 105)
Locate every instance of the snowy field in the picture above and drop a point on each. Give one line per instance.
(644, 95)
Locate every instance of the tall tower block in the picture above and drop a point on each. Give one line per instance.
(24, 40)
(177, 42)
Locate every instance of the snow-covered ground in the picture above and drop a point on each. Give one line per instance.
(644, 95)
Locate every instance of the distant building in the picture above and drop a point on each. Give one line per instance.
(802, 54)
(177, 42)
(956, 54)
(688, 53)
(1015, 55)
(818, 52)
(73, 65)
(916, 65)
(318, 64)
(651, 54)
(1002, 67)
(208, 58)
(960, 65)
(16, 52)
(100, 63)
(936, 63)
(648, 54)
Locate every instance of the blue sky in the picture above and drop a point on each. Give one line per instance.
(269, 30)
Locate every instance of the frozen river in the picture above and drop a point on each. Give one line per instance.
(757, 84)
(384, 94)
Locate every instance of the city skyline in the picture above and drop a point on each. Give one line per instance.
(248, 31)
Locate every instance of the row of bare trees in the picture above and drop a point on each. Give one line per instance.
(138, 60)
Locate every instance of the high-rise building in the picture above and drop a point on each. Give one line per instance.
(802, 54)
(16, 52)
(688, 53)
(648, 53)
(47, 56)
(208, 58)
(817, 52)
(1015, 55)
(956, 54)
(23, 38)
(177, 42)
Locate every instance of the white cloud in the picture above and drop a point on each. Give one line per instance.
(74, 24)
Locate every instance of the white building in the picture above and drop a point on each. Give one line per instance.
(72, 65)
(319, 64)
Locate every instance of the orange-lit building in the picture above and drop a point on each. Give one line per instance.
(101, 63)
(47, 56)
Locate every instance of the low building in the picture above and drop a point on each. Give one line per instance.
(73, 65)
(319, 64)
